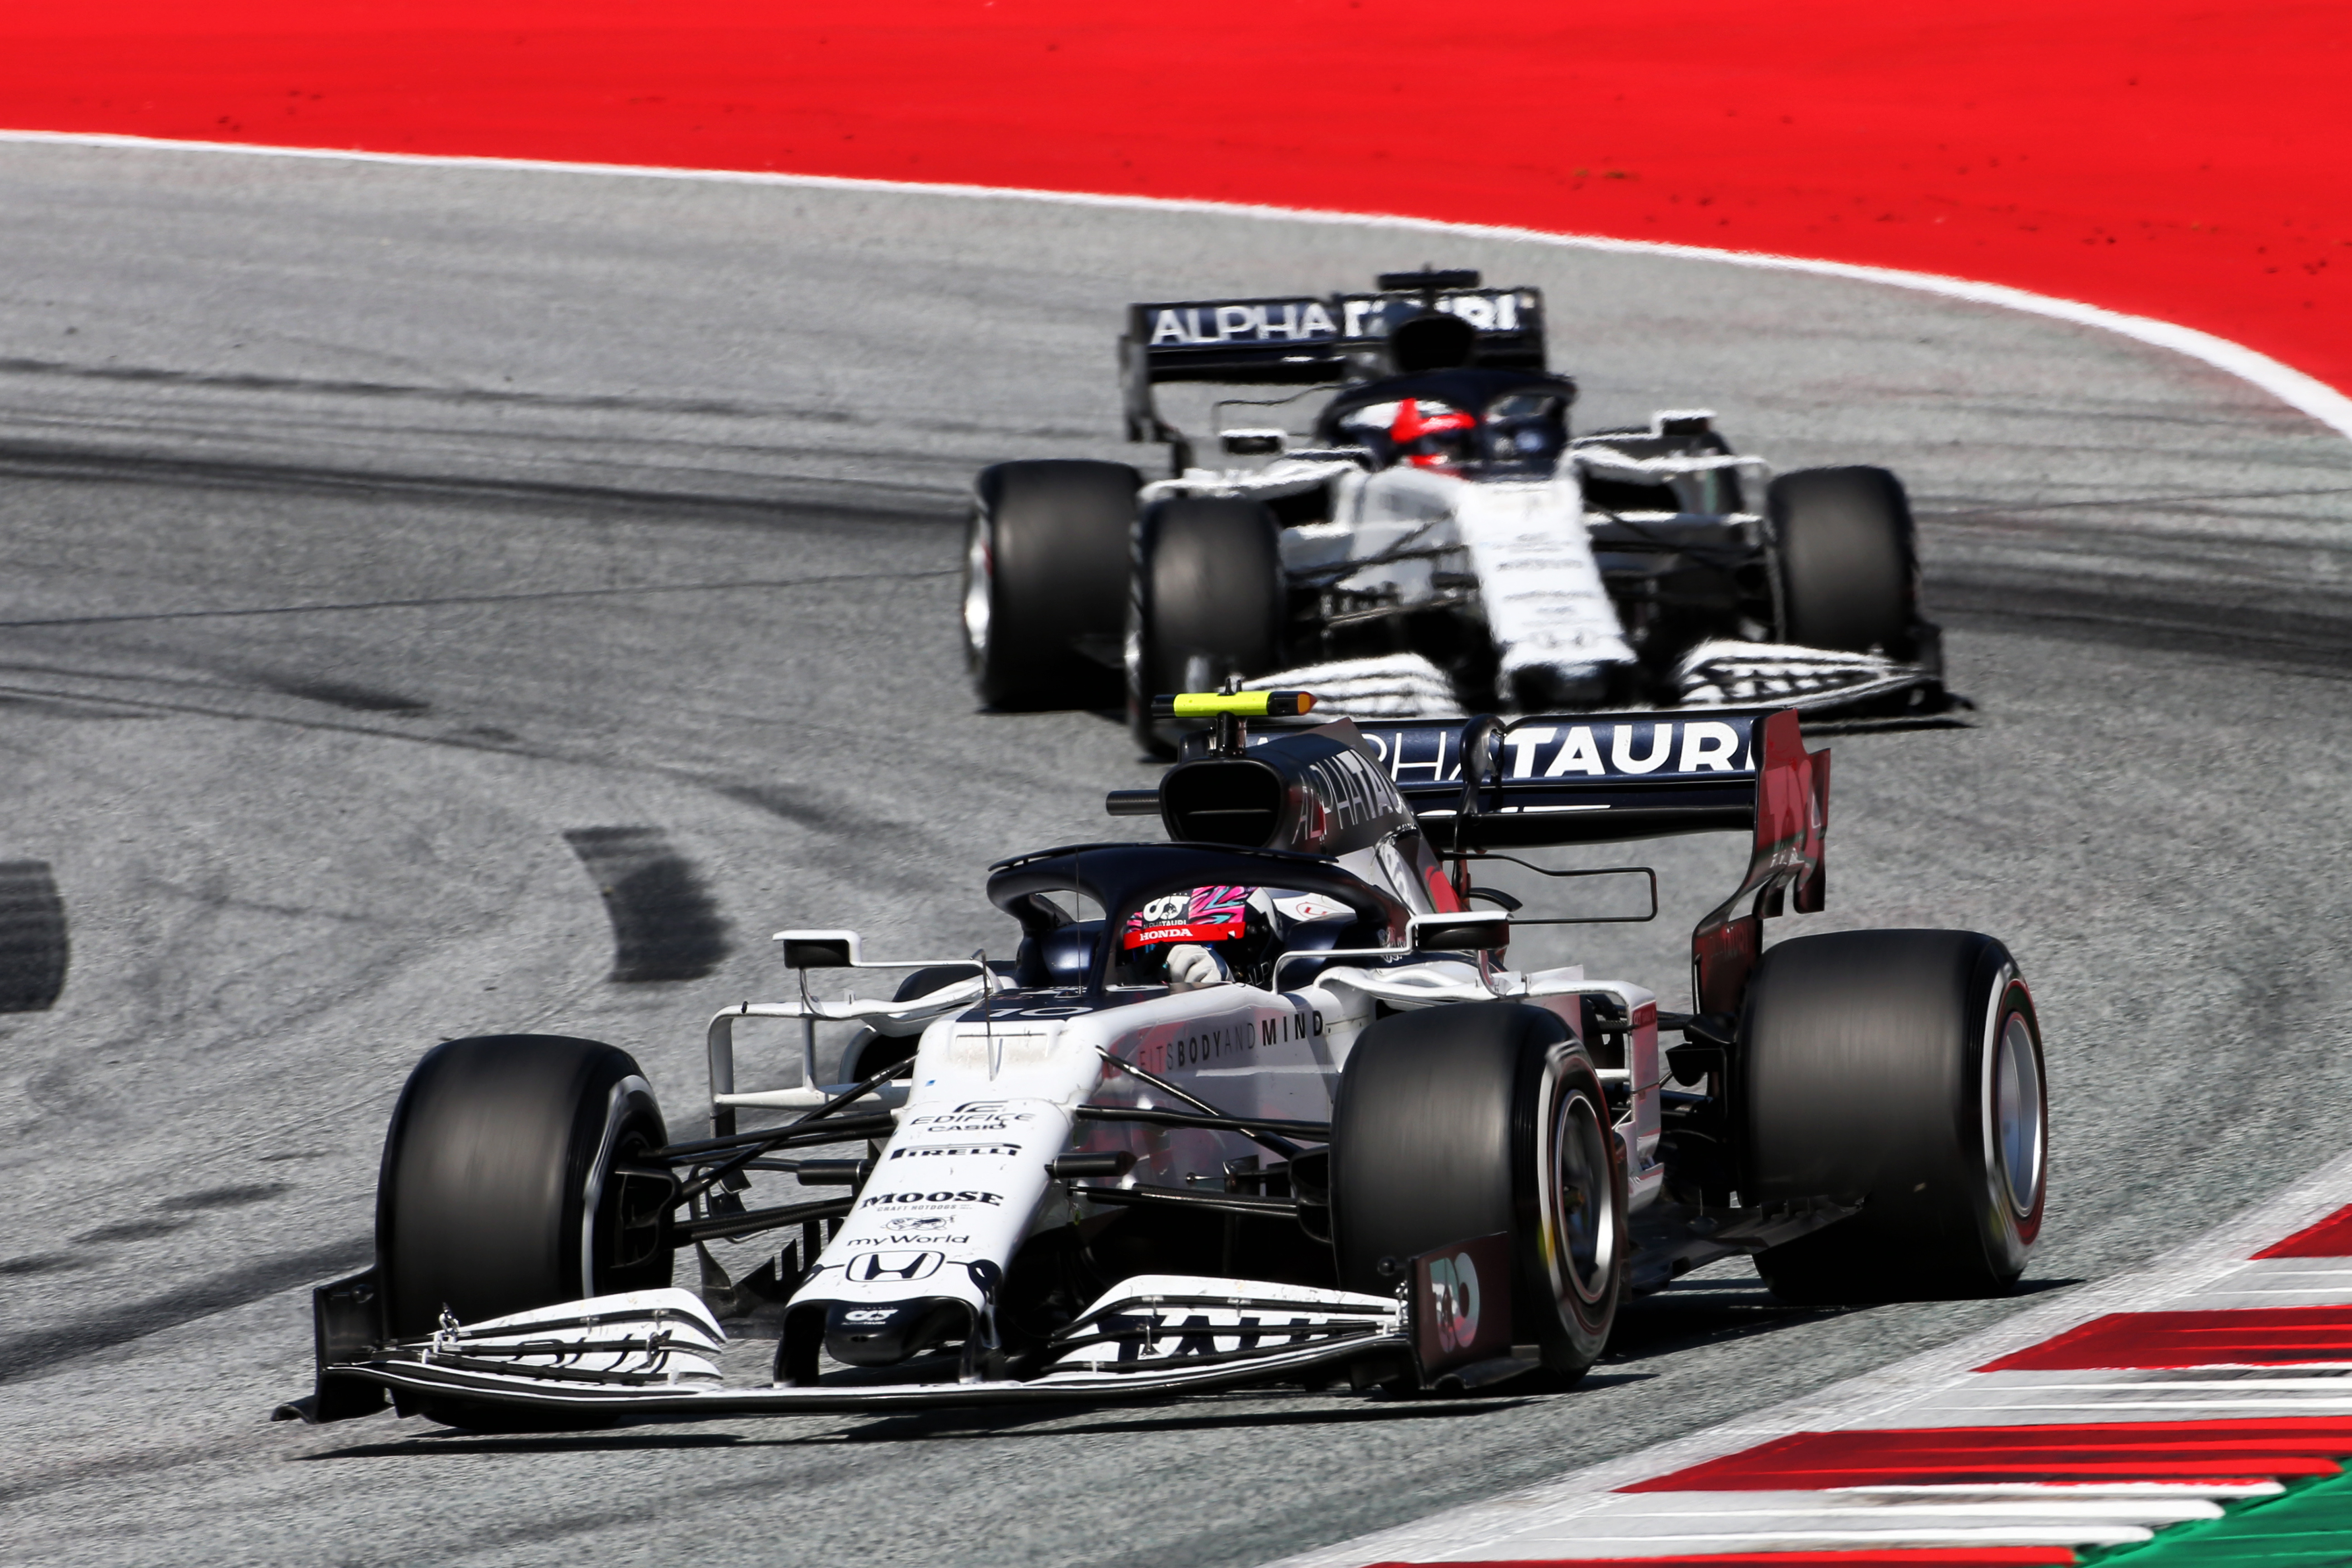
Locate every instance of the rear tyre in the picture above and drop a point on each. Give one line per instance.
(1460, 1121)
(1849, 563)
(1206, 600)
(1045, 582)
(1902, 1069)
(498, 1194)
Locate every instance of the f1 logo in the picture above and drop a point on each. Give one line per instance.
(893, 1264)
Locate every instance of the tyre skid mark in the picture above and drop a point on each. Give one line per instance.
(23, 1354)
(34, 951)
(665, 923)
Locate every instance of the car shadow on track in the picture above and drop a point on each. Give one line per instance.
(448, 1440)
(1685, 1319)
(1688, 1317)
(948, 1426)
(1250, 1412)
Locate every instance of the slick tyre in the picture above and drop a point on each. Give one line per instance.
(1849, 565)
(1206, 600)
(1460, 1121)
(1045, 582)
(498, 1191)
(1901, 1069)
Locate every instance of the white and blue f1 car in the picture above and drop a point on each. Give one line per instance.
(1265, 1102)
(1431, 537)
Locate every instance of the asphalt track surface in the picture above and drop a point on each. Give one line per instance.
(369, 530)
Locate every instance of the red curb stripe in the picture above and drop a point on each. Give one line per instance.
(2253, 1336)
(2331, 1237)
(2123, 1450)
(1943, 1556)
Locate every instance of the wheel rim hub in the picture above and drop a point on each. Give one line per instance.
(2017, 1115)
(1584, 1228)
(979, 587)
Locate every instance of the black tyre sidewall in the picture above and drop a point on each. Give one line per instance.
(1206, 582)
(1440, 1135)
(495, 1148)
(1848, 560)
(1057, 534)
(1865, 1074)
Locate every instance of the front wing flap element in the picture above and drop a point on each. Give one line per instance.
(1822, 682)
(653, 1352)
(1157, 1321)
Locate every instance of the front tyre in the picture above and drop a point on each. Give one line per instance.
(1045, 582)
(1848, 560)
(1901, 1069)
(498, 1191)
(1460, 1121)
(1206, 599)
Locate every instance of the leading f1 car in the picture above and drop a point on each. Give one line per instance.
(1431, 537)
(1262, 1103)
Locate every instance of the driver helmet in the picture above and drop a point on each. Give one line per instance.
(1234, 922)
(1242, 927)
(1428, 433)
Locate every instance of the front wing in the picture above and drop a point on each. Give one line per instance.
(1820, 682)
(654, 1353)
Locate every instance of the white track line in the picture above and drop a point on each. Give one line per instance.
(2289, 385)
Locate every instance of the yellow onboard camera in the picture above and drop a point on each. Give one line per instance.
(1239, 704)
(1229, 708)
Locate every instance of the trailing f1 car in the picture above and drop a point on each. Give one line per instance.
(1261, 1103)
(1437, 540)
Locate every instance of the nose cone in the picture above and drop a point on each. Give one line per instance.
(884, 1334)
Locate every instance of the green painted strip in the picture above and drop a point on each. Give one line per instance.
(2308, 1527)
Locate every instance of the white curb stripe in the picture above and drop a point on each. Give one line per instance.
(2291, 387)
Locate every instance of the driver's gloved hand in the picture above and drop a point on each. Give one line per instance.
(1190, 965)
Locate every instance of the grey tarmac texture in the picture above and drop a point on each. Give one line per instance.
(368, 529)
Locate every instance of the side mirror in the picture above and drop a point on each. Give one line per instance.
(1464, 931)
(820, 949)
(1252, 443)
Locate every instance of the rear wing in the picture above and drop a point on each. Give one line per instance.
(1295, 339)
(1583, 778)
(1591, 778)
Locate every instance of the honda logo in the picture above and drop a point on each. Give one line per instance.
(892, 1264)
